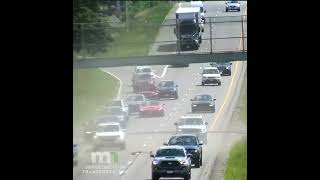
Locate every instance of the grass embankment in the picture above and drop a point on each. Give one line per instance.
(237, 162)
(144, 27)
(236, 168)
(92, 88)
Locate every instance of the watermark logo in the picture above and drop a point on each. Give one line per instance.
(104, 157)
(103, 163)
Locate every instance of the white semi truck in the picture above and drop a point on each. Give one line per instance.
(189, 27)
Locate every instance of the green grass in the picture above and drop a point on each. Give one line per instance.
(137, 41)
(92, 88)
(236, 168)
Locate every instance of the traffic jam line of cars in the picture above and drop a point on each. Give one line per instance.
(184, 149)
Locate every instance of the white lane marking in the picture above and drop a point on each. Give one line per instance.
(187, 94)
(229, 89)
(120, 82)
(163, 72)
(129, 163)
(144, 145)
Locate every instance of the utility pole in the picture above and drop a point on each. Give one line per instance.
(83, 49)
(210, 25)
(127, 16)
(242, 34)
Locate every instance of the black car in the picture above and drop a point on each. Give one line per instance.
(192, 145)
(171, 161)
(224, 68)
(203, 102)
(167, 89)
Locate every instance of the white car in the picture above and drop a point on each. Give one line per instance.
(109, 134)
(192, 124)
(232, 5)
(211, 75)
(141, 70)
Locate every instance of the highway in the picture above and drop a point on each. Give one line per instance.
(147, 134)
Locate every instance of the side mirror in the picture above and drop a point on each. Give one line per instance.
(176, 124)
(165, 143)
(206, 123)
(189, 155)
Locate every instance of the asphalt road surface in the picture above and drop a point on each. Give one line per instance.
(147, 134)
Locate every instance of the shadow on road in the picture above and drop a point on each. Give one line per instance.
(167, 48)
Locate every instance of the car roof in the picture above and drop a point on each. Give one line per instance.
(108, 123)
(210, 67)
(203, 95)
(179, 135)
(190, 116)
(188, 10)
(171, 147)
(143, 67)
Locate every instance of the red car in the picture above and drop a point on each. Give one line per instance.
(151, 108)
(144, 82)
(151, 95)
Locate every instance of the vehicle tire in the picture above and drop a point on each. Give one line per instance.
(155, 177)
(219, 83)
(187, 177)
(196, 47)
(176, 96)
(197, 163)
(226, 10)
(202, 83)
(201, 160)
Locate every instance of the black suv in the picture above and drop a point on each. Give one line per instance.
(167, 89)
(191, 144)
(171, 161)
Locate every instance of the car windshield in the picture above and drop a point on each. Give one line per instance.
(151, 103)
(183, 141)
(190, 121)
(166, 84)
(210, 71)
(145, 77)
(170, 152)
(108, 128)
(144, 70)
(135, 98)
(203, 98)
